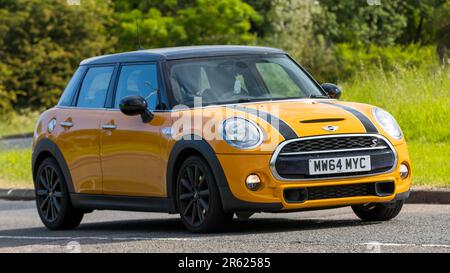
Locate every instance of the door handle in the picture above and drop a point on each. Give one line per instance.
(66, 124)
(109, 126)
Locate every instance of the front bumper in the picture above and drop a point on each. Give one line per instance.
(271, 195)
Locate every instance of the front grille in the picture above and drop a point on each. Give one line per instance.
(300, 195)
(333, 143)
(291, 161)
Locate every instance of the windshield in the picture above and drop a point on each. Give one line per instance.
(222, 80)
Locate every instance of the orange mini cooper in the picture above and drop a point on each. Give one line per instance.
(209, 132)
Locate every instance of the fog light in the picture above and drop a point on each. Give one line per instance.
(253, 182)
(404, 171)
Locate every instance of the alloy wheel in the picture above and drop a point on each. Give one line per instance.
(49, 193)
(193, 194)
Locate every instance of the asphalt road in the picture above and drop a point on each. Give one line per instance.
(16, 143)
(419, 228)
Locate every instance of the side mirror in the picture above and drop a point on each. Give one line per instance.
(332, 90)
(135, 105)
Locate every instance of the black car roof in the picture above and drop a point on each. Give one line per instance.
(173, 53)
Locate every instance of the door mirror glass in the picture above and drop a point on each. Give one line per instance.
(135, 105)
(332, 90)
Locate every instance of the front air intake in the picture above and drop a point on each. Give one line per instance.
(300, 195)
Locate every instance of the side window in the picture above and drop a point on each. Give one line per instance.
(95, 87)
(277, 80)
(140, 80)
(71, 88)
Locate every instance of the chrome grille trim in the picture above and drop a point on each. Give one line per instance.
(338, 151)
(332, 143)
(277, 152)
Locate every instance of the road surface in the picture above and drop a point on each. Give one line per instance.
(419, 228)
(16, 143)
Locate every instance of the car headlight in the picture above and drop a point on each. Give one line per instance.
(388, 122)
(241, 133)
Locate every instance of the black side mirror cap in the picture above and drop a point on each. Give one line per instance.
(135, 105)
(332, 90)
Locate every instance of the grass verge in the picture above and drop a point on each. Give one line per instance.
(15, 169)
(430, 164)
(419, 99)
(17, 123)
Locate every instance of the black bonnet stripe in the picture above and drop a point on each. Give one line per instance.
(370, 127)
(285, 130)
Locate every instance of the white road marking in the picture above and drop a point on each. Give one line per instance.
(105, 238)
(98, 238)
(403, 245)
(434, 245)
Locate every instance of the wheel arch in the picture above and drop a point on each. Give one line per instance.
(184, 148)
(46, 148)
(195, 145)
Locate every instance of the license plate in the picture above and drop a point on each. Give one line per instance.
(339, 165)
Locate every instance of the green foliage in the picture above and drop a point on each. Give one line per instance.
(351, 60)
(427, 161)
(333, 38)
(442, 25)
(6, 98)
(294, 25)
(418, 97)
(422, 16)
(193, 22)
(22, 122)
(390, 22)
(15, 170)
(42, 42)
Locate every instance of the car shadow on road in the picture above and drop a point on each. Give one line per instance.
(161, 229)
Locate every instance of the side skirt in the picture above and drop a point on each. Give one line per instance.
(127, 203)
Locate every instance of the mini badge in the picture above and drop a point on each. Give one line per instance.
(330, 128)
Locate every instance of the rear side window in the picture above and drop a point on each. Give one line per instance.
(71, 88)
(94, 88)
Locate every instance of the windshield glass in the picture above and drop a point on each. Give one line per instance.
(222, 80)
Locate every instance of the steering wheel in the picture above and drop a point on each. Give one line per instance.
(150, 86)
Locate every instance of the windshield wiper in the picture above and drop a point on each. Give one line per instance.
(313, 96)
(244, 100)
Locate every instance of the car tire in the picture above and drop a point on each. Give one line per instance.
(52, 198)
(198, 198)
(375, 212)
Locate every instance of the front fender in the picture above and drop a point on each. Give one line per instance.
(229, 202)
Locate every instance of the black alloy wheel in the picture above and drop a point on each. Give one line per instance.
(52, 198)
(49, 193)
(198, 199)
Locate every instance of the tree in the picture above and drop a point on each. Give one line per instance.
(42, 42)
(421, 21)
(175, 23)
(263, 26)
(442, 25)
(383, 23)
(294, 28)
(363, 23)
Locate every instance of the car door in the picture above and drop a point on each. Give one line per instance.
(130, 149)
(79, 139)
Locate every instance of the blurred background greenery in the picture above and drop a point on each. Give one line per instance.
(393, 54)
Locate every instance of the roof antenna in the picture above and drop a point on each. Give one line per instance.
(139, 47)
